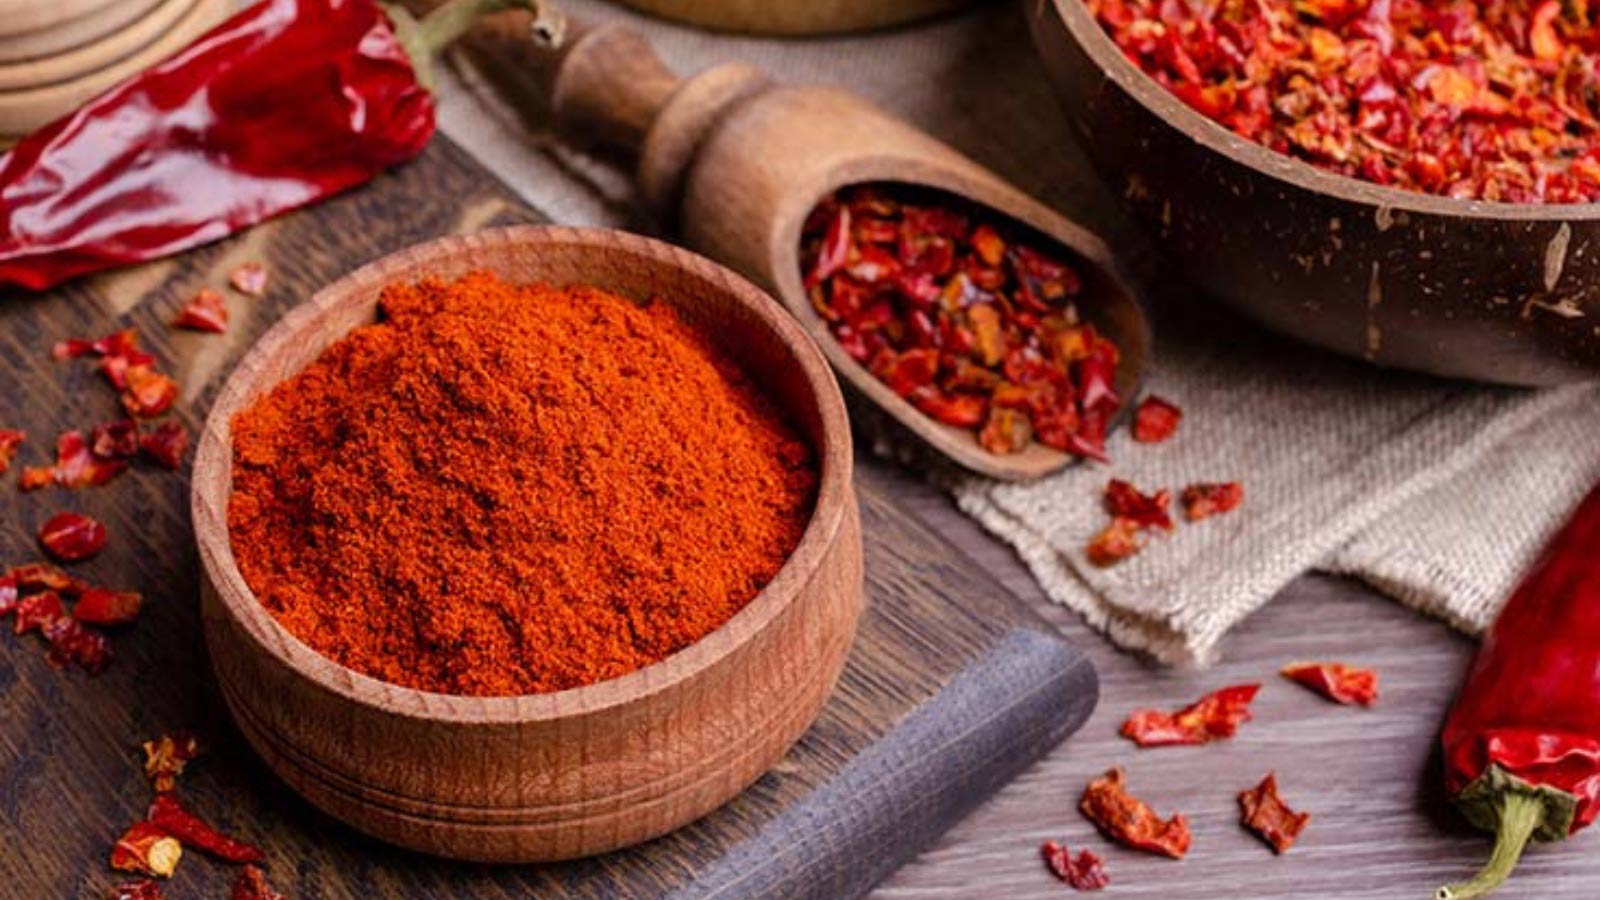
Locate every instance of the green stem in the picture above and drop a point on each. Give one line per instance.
(425, 38)
(1520, 815)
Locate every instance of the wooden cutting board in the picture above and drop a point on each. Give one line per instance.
(952, 688)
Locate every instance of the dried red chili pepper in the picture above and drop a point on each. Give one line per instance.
(166, 757)
(1202, 501)
(76, 466)
(36, 611)
(205, 311)
(171, 816)
(115, 440)
(71, 643)
(1124, 501)
(100, 606)
(143, 889)
(1215, 716)
(1522, 740)
(1084, 872)
(1336, 681)
(45, 577)
(1264, 812)
(118, 352)
(146, 849)
(1130, 821)
(167, 445)
(71, 537)
(148, 393)
(10, 594)
(10, 440)
(954, 311)
(1115, 543)
(1493, 100)
(252, 885)
(249, 278)
(286, 103)
(1155, 420)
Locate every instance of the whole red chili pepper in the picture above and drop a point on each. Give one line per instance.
(285, 103)
(1522, 742)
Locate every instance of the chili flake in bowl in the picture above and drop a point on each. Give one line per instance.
(514, 542)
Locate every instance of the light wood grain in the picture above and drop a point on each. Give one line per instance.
(736, 163)
(796, 16)
(577, 772)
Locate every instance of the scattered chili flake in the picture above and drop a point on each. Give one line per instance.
(100, 606)
(1265, 813)
(205, 311)
(1124, 501)
(71, 643)
(35, 611)
(1336, 681)
(249, 278)
(10, 593)
(171, 816)
(71, 537)
(954, 311)
(1202, 501)
(167, 445)
(148, 393)
(252, 885)
(1084, 872)
(76, 466)
(34, 478)
(146, 849)
(1131, 821)
(1155, 420)
(45, 577)
(165, 759)
(1116, 543)
(1215, 716)
(10, 440)
(115, 440)
(143, 889)
(118, 352)
(1492, 100)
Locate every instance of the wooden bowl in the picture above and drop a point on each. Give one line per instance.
(1494, 291)
(92, 23)
(583, 771)
(796, 17)
(88, 59)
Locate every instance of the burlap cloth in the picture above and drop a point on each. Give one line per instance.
(1436, 493)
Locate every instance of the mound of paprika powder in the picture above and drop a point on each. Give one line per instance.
(500, 490)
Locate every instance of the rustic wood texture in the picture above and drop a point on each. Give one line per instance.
(579, 772)
(951, 689)
(734, 164)
(1494, 291)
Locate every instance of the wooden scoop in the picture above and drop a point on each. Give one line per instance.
(734, 163)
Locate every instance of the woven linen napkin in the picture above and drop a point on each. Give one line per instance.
(1436, 493)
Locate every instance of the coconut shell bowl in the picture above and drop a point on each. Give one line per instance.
(562, 775)
(1493, 291)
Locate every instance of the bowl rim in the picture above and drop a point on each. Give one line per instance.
(1090, 37)
(213, 471)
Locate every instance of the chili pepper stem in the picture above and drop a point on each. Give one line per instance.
(1520, 815)
(425, 38)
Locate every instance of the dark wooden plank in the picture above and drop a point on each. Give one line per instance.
(953, 686)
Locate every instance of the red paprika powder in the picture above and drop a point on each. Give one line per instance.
(502, 489)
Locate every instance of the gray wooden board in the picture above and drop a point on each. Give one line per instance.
(952, 688)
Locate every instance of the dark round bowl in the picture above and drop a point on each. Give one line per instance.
(1505, 292)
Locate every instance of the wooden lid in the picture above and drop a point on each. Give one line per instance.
(91, 58)
(85, 29)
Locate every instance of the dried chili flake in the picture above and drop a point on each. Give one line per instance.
(1202, 501)
(1084, 872)
(1129, 820)
(35, 611)
(1155, 420)
(143, 889)
(1264, 812)
(100, 606)
(71, 537)
(251, 884)
(10, 594)
(1336, 681)
(146, 849)
(115, 440)
(249, 278)
(1124, 501)
(167, 445)
(1492, 100)
(171, 816)
(166, 757)
(77, 466)
(45, 577)
(1115, 543)
(1215, 716)
(72, 643)
(958, 314)
(205, 311)
(10, 440)
(34, 478)
(148, 393)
